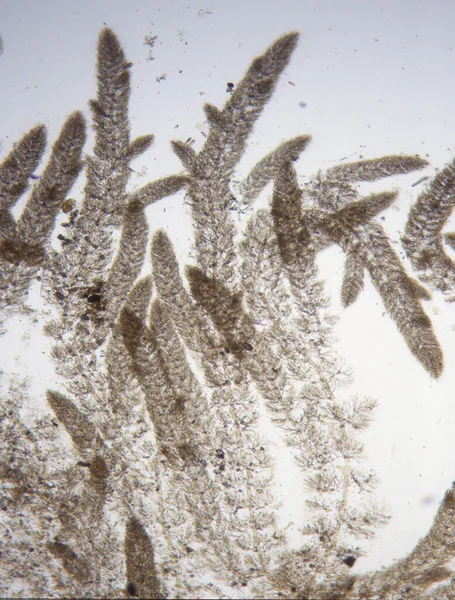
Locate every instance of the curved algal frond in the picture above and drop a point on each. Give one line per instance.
(423, 239)
(423, 567)
(19, 165)
(128, 262)
(37, 220)
(232, 125)
(190, 320)
(353, 276)
(79, 427)
(78, 567)
(377, 168)
(401, 298)
(156, 190)
(211, 170)
(23, 245)
(141, 572)
(267, 168)
(139, 146)
(347, 223)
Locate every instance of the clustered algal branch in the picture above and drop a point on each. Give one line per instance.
(167, 487)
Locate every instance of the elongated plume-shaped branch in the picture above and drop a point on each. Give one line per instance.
(297, 251)
(78, 567)
(211, 170)
(377, 168)
(423, 238)
(348, 225)
(189, 318)
(141, 572)
(232, 125)
(156, 190)
(80, 428)
(398, 291)
(23, 245)
(353, 276)
(357, 213)
(38, 218)
(19, 165)
(108, 172)
(128, 262)
(110, 109)
(224, 308)
(98, 282)
(426, 565)
(401, 298)
(123, 386)
(267, 168)
(139, 146)
(164, 398)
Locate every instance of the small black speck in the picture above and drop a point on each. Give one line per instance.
(131, 589)
(349, 560)
(94, 298)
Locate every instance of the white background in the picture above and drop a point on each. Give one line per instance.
(376, 77)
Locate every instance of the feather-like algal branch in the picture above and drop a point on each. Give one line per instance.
(211, 170)
(156, 190)
(377, 168)
(141, 572)
(166, 386)
(339, 217)
(353, 276)
(20, 164)
(423, 238)
(23, 244)
(80, 428)
(128, 262)
(267, 168)
(38, 217)
(425, 566)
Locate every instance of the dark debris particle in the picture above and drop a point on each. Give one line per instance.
(131, 589)
(349, 560)
(94, 298)
(248, 346)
